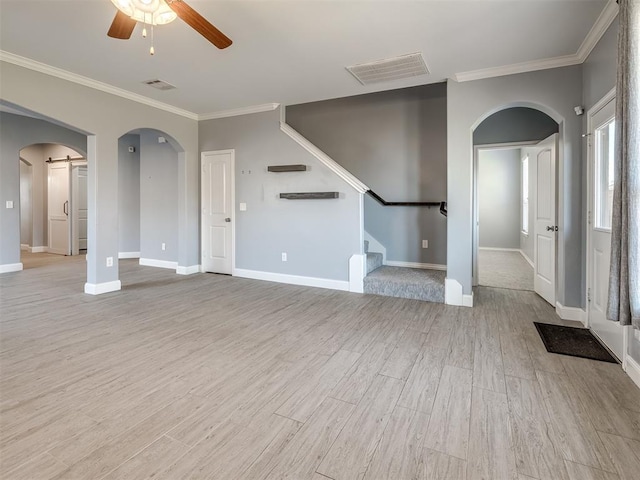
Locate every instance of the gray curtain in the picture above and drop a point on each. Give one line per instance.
(624, 277)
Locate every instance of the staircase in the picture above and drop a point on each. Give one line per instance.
(403, 282)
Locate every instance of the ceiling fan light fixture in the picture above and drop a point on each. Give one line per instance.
(152, 12)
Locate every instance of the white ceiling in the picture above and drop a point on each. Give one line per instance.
(292, 52)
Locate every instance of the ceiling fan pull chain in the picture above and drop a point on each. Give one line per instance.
(152, 50)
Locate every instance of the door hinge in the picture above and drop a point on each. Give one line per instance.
(588, 295)
(589, 217)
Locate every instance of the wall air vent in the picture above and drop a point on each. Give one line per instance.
(405, 66)
(159, 84)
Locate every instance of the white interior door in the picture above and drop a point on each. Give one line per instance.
(545, 227)
(79, 209)
(217, 211)
(599, 223)
(58, 209)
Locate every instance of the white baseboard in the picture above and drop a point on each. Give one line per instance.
(453, 294)
(357, 265)
(633, 370)
(571, 313)
(100, 288)
(188, 270)
(150, 262)
(292, 279)
(128, 254)
(529, 261)
(39, 249)
(495, 249)
(10, 267)
(425, 266)
(25, 247)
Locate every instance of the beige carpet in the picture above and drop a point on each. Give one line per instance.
(504, 270)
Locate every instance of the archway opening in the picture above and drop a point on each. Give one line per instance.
(506, 144)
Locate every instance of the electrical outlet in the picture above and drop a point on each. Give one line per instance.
(284, 256)
(164, 246)
(425, 243)
(109, 261)
(9, 203)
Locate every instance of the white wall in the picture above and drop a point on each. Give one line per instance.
(499, 198)
(526, 241)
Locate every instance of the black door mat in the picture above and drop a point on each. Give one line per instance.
(577, 342)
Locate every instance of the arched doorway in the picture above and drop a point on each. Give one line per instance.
(149, 165)
(509, 152)
(53, 201)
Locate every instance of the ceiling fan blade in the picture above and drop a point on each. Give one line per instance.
(122, 26)
(199, 24)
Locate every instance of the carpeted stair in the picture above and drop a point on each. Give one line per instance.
(414, 283)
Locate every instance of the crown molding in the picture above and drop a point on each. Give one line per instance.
(598, 29)
(547, 63)
(88, 82)
(267, 107)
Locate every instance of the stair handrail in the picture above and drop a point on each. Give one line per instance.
(382, 201)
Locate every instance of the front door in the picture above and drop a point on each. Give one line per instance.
(58, 209)
(601, 159)
(217, 211)
(545, 227)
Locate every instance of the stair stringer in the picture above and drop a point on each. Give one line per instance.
(376, 246)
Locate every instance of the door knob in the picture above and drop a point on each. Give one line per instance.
(552, 228)
(227, 219)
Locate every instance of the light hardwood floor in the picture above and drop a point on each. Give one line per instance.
(209, 376)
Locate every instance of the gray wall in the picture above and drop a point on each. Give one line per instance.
(518, 124)
(319, 236)
(17, 132)
(129, 194)
(555, 92)
(395, 142)
(499, 198)
(158, 198)
(103, 118)
(599, 70)
(26, 207)
(598, 78)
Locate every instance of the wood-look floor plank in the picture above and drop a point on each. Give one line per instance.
(150, 461)
(42, 467)
(490, 451)
(625, 454)
(532, 436)
(488, 370)
(399, 453)
(576, 436)
(349, 458)
(302, 455)
(462, 346)
(448, 430)
(582, 472)
(357, 380)
(403, 357)
(515, 356)
(311, 393)
(438, 466)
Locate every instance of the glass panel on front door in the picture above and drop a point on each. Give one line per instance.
(604, 175)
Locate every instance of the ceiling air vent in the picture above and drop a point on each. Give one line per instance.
(159, 84)
(405, 66)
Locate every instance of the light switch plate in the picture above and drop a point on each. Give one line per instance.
(243, 207)
(9, 203)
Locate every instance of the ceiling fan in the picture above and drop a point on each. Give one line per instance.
(161, 12)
